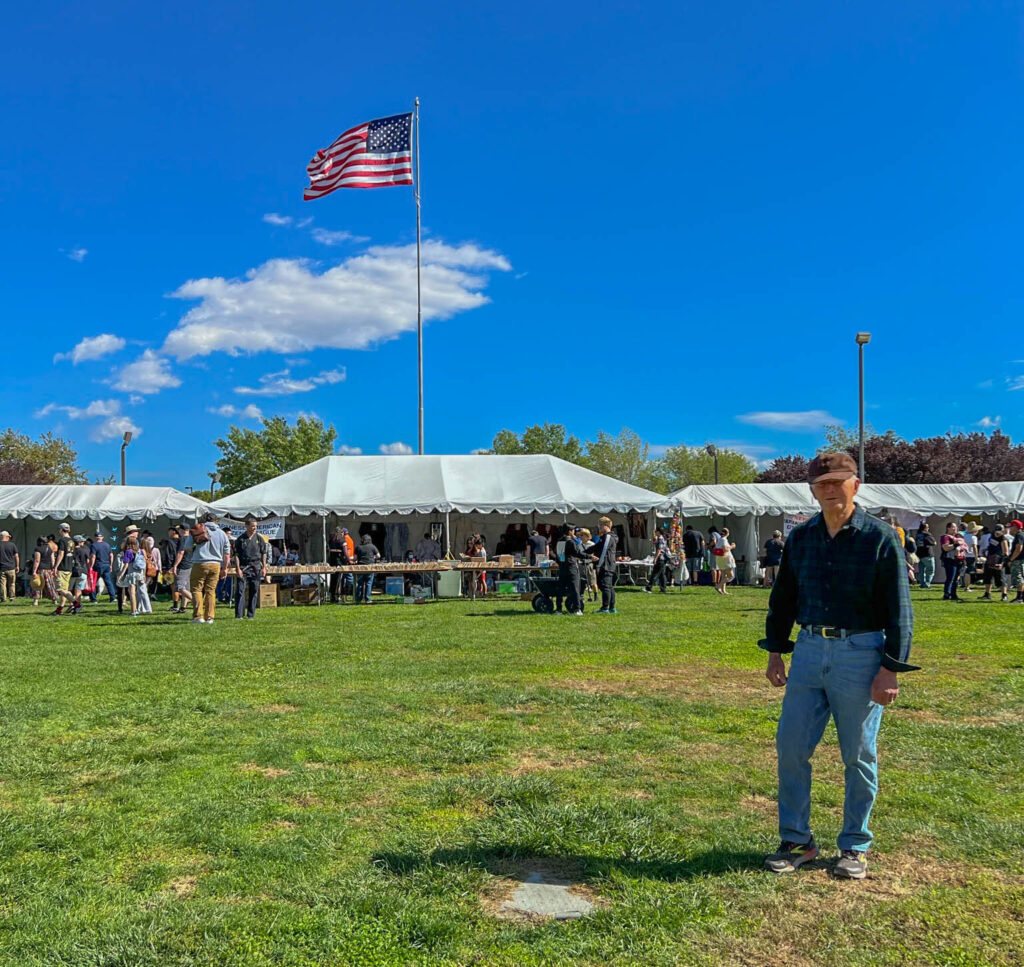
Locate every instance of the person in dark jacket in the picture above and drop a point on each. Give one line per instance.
(337, 556)
(693, 551)
(572, 570)
(366, 553)
(604, 557)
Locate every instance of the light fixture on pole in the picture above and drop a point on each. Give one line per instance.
(214, 480)
(863, 338)
(125, 440)
(713, 451)
(189, 489)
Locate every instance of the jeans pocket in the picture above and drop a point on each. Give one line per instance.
(866, 641)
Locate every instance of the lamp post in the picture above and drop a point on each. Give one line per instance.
(863, 338)
(713, 451)
(125, 440)
(214, 480)
(189, 489)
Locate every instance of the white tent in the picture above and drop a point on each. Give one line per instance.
(411, 491)
(35, 506)
(752, 511)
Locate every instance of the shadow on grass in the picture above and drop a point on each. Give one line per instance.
(523, 613)
(511, 859)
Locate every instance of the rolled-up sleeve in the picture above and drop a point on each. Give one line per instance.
(782, 606)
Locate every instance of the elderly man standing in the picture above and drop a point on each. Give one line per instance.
(10, 564)
(843, 579)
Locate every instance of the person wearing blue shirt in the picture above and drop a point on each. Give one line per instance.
(99, 561)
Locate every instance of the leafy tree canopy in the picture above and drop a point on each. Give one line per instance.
(48, 460)
(541, 438)
(249, 457)
(683, 466)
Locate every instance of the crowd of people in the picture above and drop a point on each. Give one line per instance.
(196, 565)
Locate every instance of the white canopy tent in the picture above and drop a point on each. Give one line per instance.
(35, 506)
(411, 492)
(752, 511)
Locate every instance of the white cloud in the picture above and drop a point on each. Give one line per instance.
(284, 384)
(111, 422)
(989, 422)
(272, 218)
(250, 412)
(77, 254)
(347, 451)
(93, 347)
(284, 306)
(326, 237)
(395, 448)
(801, 421)
(148, 374)
(1015, 382)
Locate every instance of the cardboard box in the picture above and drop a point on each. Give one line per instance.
(284, 596)
(268, 596)
(304, 596)
(506, 560)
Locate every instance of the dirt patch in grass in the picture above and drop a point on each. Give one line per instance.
(276, 709)
(305, 800)
(508, 875)
(760, 804)
(551, 761)
(927, 716)
(693, 681)
(282, 824)
(183, 886)
(268, 772)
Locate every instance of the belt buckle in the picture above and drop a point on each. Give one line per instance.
(829, 632)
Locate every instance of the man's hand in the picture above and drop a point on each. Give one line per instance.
(776, 673)
(884, 688)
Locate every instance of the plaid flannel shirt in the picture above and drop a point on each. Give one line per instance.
(856, 580)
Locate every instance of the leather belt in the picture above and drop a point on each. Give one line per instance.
(827, 631)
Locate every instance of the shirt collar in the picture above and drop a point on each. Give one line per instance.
(856, 522)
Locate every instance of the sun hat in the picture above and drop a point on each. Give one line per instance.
(131, 529)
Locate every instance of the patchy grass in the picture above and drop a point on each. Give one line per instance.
(353, 786)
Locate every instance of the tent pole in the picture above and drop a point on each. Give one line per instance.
(324, 530)
(447, 534)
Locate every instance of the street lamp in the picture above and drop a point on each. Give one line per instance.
(125, 440)
(713, 451)
(863, 338)
(214, 480)
(189, 489)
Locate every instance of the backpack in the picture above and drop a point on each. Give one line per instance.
(199, 533)
(910, 545)
(150, 566)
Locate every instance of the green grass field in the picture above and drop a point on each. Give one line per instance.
(362, 785)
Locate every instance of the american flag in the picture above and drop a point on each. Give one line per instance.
(374, 154)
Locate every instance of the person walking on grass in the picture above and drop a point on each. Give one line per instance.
(843, 579)
(997, 550)
(79, 571)
(604, 557)
(926, 545)
(10, 564)
(772, 557)
(209, 547)
(723, 562)
(659, 570)
(1015, 559)
(693, 551)
(42, 567)
(954, 554)
(182, 568)
(62, 565)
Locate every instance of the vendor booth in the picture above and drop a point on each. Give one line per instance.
(31, 511)
(399, 499)
(752, 511)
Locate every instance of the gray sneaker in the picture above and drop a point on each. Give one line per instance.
(791, 856)
(851, 865)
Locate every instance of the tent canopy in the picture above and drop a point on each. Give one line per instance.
(483, 483)
(764, 500)
(82, 502)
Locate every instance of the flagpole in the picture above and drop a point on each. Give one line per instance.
(419, 286)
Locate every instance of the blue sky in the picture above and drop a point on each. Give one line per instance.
(697, 203)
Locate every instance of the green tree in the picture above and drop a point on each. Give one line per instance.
(50, 459)
(249, 457)
(685, 465)
(624, 457)
(548, 438)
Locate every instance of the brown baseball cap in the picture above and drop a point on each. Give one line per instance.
(831, 466)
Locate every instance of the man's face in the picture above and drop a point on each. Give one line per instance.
(835, 494)
(250, 528)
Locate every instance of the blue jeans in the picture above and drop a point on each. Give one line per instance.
(926, 571)
(364, 586)
(953, 571)
(693, 566)
(103, 574)
(830, 676)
